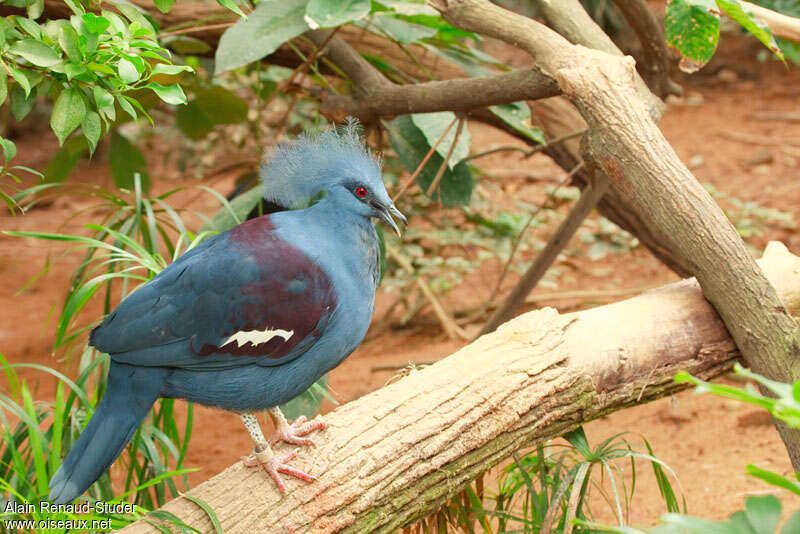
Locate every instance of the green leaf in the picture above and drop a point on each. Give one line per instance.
(306, 403)
(164, 5)
(135, 14)
(21, 78)
(434, 125)
(171, 94)
(400, 30)
(266, 28)
(104, 101)
(95, 24)
(518, 116)
(9, 148)
(92, 129)
(210, 107)
(330, 13)
(774, 478)
(127, 71)
(36, 52)
(35, 9)
(235, 212)
(65, 160)
(68, 113)
(164, 68)
(30, 27)
(455, 187)
(759, 30)
(792, 525)
(186, 45)
(577, 438)
(69, 41)
(126, 160)
(3, 86)
(692, 27)
(20, 104)
(763, 513)
(126, 106)
(231, 6)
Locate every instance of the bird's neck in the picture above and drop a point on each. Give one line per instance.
(352, 236)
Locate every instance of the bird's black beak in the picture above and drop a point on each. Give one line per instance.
(385, 214)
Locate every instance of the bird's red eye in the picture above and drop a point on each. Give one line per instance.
(361, 192)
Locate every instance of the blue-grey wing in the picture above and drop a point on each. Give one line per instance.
(245, 296)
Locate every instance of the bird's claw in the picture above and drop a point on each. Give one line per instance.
(293, 432)
(276, 465)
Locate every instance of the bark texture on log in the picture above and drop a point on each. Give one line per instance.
(398, 453)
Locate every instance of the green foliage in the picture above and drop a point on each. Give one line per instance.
(436, 126)
(330, 13)
(36, 435)
(518, 116)
(210, 107)
(127, 163)
(750, 218)
(84, 63)
(264, 30)
(761, 514)
(455, 184)
(552, 484)
(693, 28)
(790, 49)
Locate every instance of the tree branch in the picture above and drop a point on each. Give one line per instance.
(625, 142)
(376, 97)
(779, 24)
(398, 453)
(656, 65)
(459, 95)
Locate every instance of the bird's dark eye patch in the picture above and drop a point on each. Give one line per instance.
(360, 192)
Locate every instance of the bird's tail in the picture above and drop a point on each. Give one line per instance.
(130, 394)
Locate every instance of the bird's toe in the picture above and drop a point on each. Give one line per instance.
(277, 465)
(293, 433)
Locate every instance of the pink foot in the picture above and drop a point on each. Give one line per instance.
(276, 465)
(293, 432)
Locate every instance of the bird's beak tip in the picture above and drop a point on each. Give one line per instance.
(388, 213)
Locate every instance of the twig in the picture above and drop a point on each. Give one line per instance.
(519, 237)
(779, 24)
(787, 116)
(395, 367)
(443, 167)
(760, 139)
(527, 152)
(197, 29)
(424, 162)
(449, 325)
(650, 31)
(585, 204)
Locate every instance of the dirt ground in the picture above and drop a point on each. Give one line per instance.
(706, 441)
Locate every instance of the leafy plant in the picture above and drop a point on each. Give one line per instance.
(693, 28)
(547, 488)
(88, 64)
(36, 435)
(761, 514)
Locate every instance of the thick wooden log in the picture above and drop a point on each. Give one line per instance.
(398, 453)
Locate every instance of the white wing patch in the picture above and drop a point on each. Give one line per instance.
(256, 337)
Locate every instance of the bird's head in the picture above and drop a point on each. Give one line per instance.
(334, 163)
